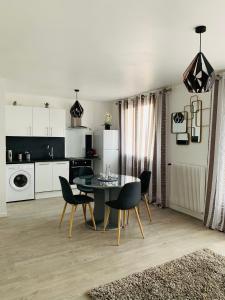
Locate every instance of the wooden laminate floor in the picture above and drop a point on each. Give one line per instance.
(38, 261)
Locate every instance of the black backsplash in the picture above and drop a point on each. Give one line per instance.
(37, 146)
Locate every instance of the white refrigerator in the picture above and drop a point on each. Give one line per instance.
(106, 143)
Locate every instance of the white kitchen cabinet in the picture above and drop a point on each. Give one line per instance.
(60, 168)
(34, 121)
(47, 175)
(41, 121)
(18, 120)
(43, 177)
(57, 122)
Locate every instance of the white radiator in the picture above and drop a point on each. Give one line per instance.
(187, 189)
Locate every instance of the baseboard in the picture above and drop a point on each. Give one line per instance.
(183, 210)
(52, 194)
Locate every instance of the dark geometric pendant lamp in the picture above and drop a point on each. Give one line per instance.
(76, 110)
(199, 76)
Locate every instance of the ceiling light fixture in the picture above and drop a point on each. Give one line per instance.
(76, 110)
(199, 76)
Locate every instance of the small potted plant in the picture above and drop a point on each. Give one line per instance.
(108, 121)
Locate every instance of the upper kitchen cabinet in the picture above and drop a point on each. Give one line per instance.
(35, 121)
(18, 120)
(41, 121)
(57, 122)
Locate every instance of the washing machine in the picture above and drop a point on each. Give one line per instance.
(19, 182)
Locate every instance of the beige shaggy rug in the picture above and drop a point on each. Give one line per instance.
(199, 275)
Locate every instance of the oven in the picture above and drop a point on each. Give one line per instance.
(75, 165)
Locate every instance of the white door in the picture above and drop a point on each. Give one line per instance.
(111, 139)
(59, 169)
(43, 177)
(18, 120)
(111, 157)
(57, 122)
(41, 121)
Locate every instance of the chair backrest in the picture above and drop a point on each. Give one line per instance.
(129, 196)
(66, 190)
(85, 171)
(145, 180)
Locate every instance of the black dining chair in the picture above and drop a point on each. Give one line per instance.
(85, 171)
(129, 198)
(74, 201)
(145, 178)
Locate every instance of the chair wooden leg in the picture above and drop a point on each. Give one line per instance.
(118, 230)
(148, 208)
(106, 218)
(63, 213)
(148, 198)
(128, 215)
(73, 209)
(92, 215)
(84, 212)
(124, 218)
(139, 222)
(138, 209)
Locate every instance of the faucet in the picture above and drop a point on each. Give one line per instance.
(51, 151)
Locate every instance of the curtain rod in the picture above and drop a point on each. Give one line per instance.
(219, 75)
(160, 90)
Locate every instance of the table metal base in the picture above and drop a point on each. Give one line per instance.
(101, 196)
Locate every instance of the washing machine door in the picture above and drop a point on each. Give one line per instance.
(20, 180)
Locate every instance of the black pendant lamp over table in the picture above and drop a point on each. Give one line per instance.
(199, 76)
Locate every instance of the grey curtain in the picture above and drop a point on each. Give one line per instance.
(143, 140)
(215, 192)
(159, 165)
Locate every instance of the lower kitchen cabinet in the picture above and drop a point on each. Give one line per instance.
(47, 175)
(43, 177)
(59, 169)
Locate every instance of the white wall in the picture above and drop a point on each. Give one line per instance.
(194, 153)
(94, 111)
(2, 151)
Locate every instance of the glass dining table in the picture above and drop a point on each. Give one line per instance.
(104, 191)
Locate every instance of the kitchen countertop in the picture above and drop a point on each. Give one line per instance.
(83, 158)
(15, 162)
(37, 160)
(51, 160)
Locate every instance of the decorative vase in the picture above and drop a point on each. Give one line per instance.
(107, 126)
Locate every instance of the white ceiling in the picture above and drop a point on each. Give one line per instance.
(107, 48)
